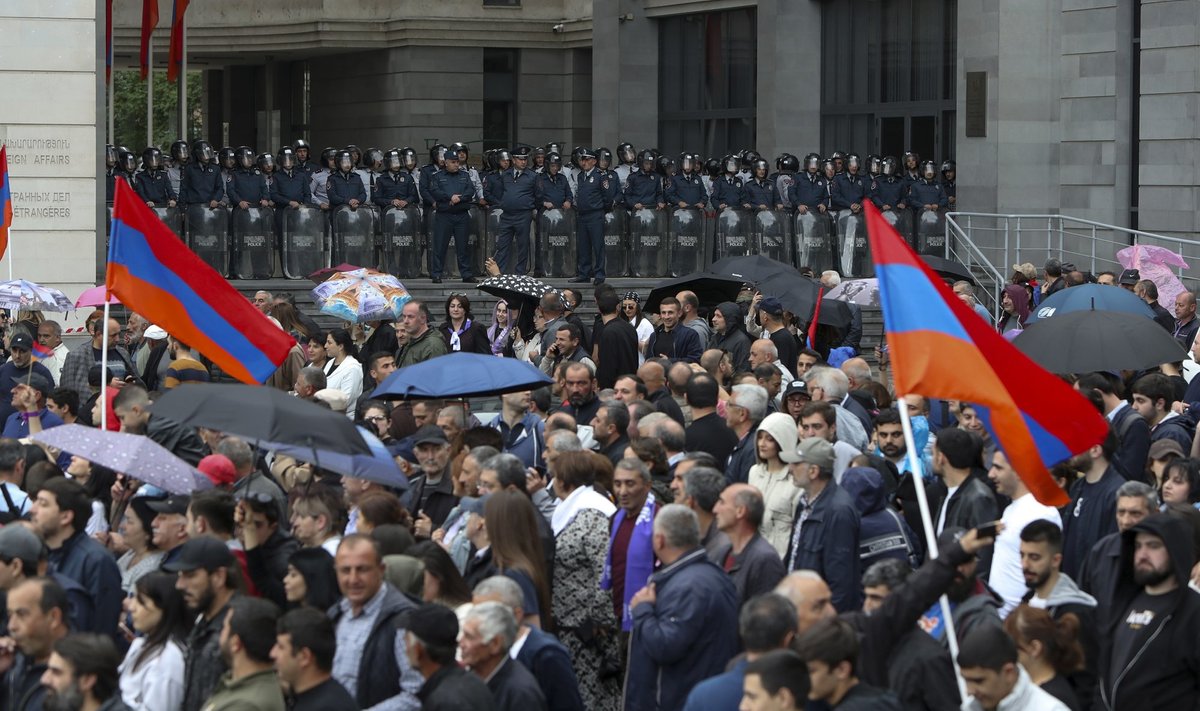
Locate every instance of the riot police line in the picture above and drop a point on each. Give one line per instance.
(255, 216)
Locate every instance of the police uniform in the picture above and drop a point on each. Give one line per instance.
(513, 191)
(290, 186)
(889, 190)
(760, 192)
(453, 220)
(317, 187)
(201, 184)
(848, 190)
(645, 189)
(394, 186)
(154, 186)
(811, 191)
(552, 188)
(686, 188)
(344, 187)
(927, 192)
(248, 185)
(727, 191)
(593, 200)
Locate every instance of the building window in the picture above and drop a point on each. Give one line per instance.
(499, 97)
(707, 82)
(502, 3)
(892, 88)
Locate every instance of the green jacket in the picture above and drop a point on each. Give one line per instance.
(429, 345)
(257, 692)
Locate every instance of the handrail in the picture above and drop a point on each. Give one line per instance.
(956, 236)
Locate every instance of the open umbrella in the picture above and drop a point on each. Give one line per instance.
(515, 288)
(798, 294)
(362, 295)
(834, 313)
(21, 294)
(1087, 341)
(94, 297)
(864, 292)
(378, 466)
(948, 268)
(261, 414)
(137, 456)
(322, 275)
(460, 375)
(1088, 297)
(710, 289)
(752, 267)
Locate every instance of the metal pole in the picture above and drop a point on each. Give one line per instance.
(182, 79)
(104, 375)
(111, 118)
(150, 91)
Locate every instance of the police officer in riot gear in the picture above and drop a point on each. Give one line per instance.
(301, 151)
(727, 189)
(266, 168)
(712, 173)
(514, 192)
(110, 171)
(290, 188)
(320, 178)
(626, 161)
(248, 187)
(926, 192)
(373, 161)
(949, 182)
(839, 162)
(850, 188)
(201, 182)
(551, 189)
(425, 178)
(539, 160)
(396, 187)
(810, 193)
(889, 191)
(179, 154)
(644, 188)
(604, 159)
(227, 160)
(453, 194)
(152, 184)
(464, 154)
(760, 193)
(345, 187)
(594, 198)
(874, 166)
(829, 168)
(912, 167)
(408, 160)
(686, 189)
(126, 164)
(786, 167)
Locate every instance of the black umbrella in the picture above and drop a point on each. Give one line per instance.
(948, 268)
(798, 294)
(752, 267)
(1088, 341)
(260, 414)
(834, 313)
(515, 287)
(710, 289)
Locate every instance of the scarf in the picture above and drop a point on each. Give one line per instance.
(455, 336)
(584, 497)
(499, 336)
(639, 562)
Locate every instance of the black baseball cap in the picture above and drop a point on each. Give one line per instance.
(430, 434)
(796, 387)
(1130, 277)
(204, 552)
(21, 340)
(435, 625)
(177, 504)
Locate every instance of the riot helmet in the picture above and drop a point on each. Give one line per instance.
(812, 163)
(300, 150)
(829, 167)
(666, 166)
(553, 147)
(911, 160)
(408, 158)
(489, 159)
(839, 161)
(626, 153)
(853, 164)
(731, 164)
(329, 159)
(928, 170)
(437, 153)
(539, 157)
(503, 159)
(687, 163)
(227, 158)
(790, 163)
(874, 164)
(374, 159)
(286, 159)
(948, 169)
(245, 157)
(344, 161)
(266, 163)
(179, 152)
(576, 154)
(553, 160)
(749, 157)
(110, 156)
(644, 158)
(460, 150)
(151, 158)
(355, 153)
(604, 158)
(760, 168)
(888, 166)
(712, 166)
(393, 162)
(202, 152)
(126, 160)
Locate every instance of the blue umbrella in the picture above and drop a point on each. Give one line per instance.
(137, 456)
(460, 375)
(378, 466)
(1091, 297)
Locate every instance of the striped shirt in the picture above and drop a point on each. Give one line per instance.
(184, 370)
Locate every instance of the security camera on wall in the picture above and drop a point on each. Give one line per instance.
(558, 28)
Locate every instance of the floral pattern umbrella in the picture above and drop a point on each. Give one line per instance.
(21, 294)
(362, 295)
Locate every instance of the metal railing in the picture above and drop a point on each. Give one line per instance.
(961, 248)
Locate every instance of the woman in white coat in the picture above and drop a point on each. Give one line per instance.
(343, 371)
(770, 475)
(152, 673)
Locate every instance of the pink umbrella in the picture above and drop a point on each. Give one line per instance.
(94, 297)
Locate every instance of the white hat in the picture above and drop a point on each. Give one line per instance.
(154, 333)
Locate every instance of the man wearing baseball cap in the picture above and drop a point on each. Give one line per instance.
(17, 370)
(431, 643)
(825, 532)
(31, 416)
(24, 556)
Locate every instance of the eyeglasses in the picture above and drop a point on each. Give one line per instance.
(376, 418)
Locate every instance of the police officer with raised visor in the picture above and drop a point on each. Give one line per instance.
(889, 191)
(513, 191)
(290, 187)
(319, 178)
(301, 150)
(396, 186)
(727, 189)
(604, 159)
(686, 189)
(810, 193)
(552, 191)
(153, 185)
(644, 187)
(453, 194)
(850, 188)
(345, 187)
(760, 193)
(593, 200)
(926, 192)
(201, 181)
(248, 186)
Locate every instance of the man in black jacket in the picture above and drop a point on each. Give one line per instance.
(132, 405)
(1135, 501)
(1133, 433)
(431, 643)
(37, 619)
(430, 496)
(831, 651)
(969, 501)
(708, 432)
(267, 545)
(489, 631)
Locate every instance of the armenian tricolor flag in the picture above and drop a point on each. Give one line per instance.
(175, 56)
(940, 348)
(6, 206)
(149, 22)
(40, 352)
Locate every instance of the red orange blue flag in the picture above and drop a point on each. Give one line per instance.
(940, 348)
(175, 53)
(154, 274)
(6, 206)
(40, 352)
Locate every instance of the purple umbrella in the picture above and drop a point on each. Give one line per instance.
(133, 455)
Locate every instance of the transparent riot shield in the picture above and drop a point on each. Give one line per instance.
(648, 242)
(901, 220)
(852, 242)
(815, 241)
(171, 217)
(556, 234)
(733, 233)
(931, 232)
(492, 233)
(302, 244)
(616, 242)
(208, 235)
(689, 249)
(476, 225)
(108, 222)
(253, 243)
(772, 235)
(353, 236)
(428, 215)
(401, 245)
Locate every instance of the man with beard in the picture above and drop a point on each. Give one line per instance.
(1006, 576)
(580, 387)
(1092, 513)
(969, 501)
(972, 603)
(1135, 501)
(37, 618)
(247, 636)
(132, 407)
(82, 675)
(207, 581)
(1149, 656)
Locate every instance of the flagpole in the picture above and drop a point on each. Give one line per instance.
(104, 371)
(182, 78)
(150, 90)
(915, 469)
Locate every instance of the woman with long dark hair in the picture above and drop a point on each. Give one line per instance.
(501, 331)
(461, 332)
(152, 673)
(343, 371)
(310, 579)
(444, 585)
(509, 518)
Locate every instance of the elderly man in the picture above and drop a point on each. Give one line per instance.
(685, 619)
(630, 555)
(49, 335)
(745, 409)
(752, 562)
(764, 352)
(430, 495)
(310, 380)
(263, 300)
(431, 642)
(832, 386)
(489, 632)
(422, 341)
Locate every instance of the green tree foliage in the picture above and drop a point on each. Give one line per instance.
(129, 109)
